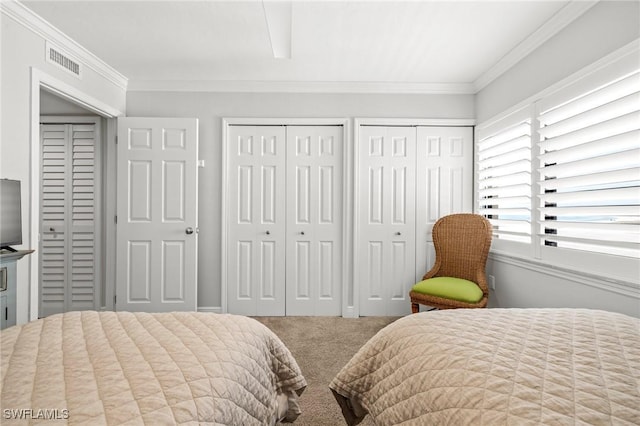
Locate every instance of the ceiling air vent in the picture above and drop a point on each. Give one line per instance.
(61, 60)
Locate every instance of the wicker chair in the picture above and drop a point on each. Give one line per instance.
(462, 243)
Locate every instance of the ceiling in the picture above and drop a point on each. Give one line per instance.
(461, 44)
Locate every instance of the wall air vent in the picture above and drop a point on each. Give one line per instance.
(61, 60)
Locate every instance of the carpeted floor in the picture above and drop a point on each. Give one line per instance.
(322, 346)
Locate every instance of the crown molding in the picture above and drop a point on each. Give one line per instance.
(553, 26)
(29, 19)
(17, 11)
(299, 87)
(620, 54)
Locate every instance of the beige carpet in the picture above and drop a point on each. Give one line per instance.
(322, 346)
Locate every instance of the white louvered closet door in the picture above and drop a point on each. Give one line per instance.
(69, 268)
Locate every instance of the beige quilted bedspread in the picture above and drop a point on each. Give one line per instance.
(496, 367)
(125, 368)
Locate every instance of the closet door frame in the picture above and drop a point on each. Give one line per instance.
(358, 123)
(347, 197)
(108, 110)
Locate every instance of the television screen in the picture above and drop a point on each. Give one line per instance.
(10, 214)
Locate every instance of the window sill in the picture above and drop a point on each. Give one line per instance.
(621, 286)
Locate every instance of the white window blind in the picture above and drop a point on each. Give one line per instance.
(589, 170)
(504, 180)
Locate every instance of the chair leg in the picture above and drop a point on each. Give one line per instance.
(415, 308)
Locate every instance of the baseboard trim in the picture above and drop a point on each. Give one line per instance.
(211, 309)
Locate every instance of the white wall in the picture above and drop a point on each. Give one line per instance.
(22, 49)
(54, 105)
(603, 29)
(209, 108)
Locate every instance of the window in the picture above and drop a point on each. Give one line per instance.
(504, 179)
(558, 176)
(589, 159)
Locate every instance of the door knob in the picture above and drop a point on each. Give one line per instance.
(189, 231)
(302, 233)
(268, 233)
(398, 233)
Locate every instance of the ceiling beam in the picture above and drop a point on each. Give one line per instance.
(278, 17)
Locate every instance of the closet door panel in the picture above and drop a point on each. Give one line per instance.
(444, 184)
(386, 219)
(54, 194)
(314, 220)
(83, 217)
(256, 226)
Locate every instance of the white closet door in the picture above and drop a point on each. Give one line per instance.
(444, 183)
(314, 220)
(157, 194)
(386, 246)
(69, 213)
(256, 224)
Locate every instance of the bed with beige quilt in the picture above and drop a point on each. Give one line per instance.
(99, 368)
(496, 367)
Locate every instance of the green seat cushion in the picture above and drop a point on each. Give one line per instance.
(450, 288)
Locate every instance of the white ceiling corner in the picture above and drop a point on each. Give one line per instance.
(23, 15)
(305, 45)
(564, 17)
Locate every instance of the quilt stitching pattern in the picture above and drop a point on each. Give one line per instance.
(544, 366)
(137, 368)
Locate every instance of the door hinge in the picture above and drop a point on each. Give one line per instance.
(114, 300)
(115, 219)
(116, 140)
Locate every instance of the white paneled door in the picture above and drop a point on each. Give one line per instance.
(409, 177)
(256, 249)
(314, 220)
(386, 247)
(444, 164)
(157, 214)
(285, 220)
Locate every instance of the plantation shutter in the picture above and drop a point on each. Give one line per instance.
(504, 177)
(590, 168)
(68, 214)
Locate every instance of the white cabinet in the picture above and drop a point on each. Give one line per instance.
(8, 281)
(407, 177)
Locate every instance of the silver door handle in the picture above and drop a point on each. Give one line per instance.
(189, 231)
